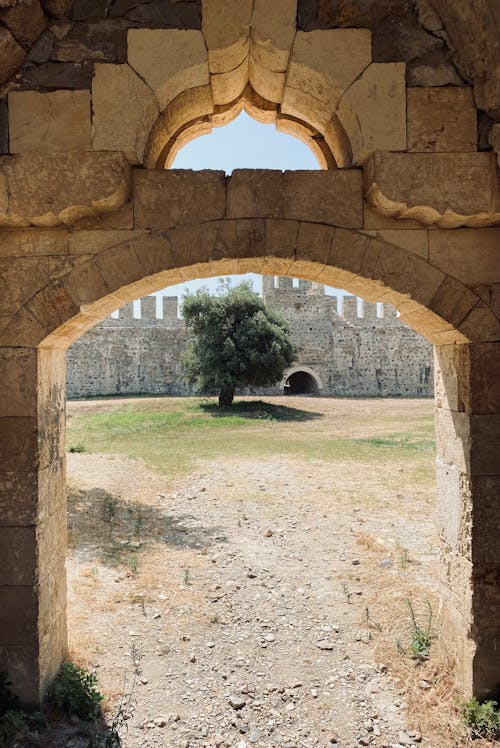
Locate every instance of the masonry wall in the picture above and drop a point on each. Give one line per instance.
(353, 356)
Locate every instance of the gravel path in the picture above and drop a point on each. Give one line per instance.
(249, 613)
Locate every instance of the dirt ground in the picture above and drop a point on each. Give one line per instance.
(261, 602)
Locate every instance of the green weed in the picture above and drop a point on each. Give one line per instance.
(482, 718)
(13, 721)
(74, 691)
(420, 642)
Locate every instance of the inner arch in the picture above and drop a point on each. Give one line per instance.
(245, 143)
(192, 114)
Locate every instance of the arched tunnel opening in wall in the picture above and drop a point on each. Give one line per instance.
(301, 383)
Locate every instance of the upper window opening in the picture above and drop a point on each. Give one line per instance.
(245, 144)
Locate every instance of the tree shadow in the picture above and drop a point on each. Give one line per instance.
(103, 526)
(259, 410)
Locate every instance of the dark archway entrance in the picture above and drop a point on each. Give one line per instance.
(301, 383)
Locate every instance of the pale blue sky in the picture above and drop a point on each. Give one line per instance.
(242, 144)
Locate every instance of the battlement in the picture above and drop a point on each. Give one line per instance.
(147, 313)
(283, 292)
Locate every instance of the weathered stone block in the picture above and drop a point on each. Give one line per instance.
(267, 83)
(332, 197)
(486, 519)
(58, 8)
(480, 325)
(325, 63)
(373, 110)
(226, 29)
(164, 199)
(227, 87)
(25, 21)
(51, 190)
(123, 111)
(18, 374)
(11, 55)
(470, 442)
(85, 285)
(187, 249)
(441, 119)
(324, 14)
(18, 615)
(454, 510)
(18, 556)
(85, 42)
(18, 444)
(471, 255)
(314, 243)
(415, 242)
(73, 75)
(29, 497)
(55, 121)
(463, 182)
(176, 14)
(453, 301)
(281, 238)
(168, 60)
(273, 32)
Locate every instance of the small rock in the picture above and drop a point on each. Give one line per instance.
(268, 533)
(406, 738)
(237, 702)
(355, 562)
(160, 721)
(254, 737)
(363, 636)
(269, 637)
(324, 644)
(386, 563)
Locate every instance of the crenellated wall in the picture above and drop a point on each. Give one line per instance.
(373, 355)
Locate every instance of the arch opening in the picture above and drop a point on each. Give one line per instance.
(246, 143)
(173, 130)
(301, 383)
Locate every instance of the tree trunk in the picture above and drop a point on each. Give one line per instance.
(226, 397)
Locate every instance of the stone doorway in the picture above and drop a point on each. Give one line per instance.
(301, 383)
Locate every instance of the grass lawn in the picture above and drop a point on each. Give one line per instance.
(174, 435)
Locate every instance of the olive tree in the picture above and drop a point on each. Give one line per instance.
(237, 341)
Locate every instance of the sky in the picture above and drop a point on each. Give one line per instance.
(242, 144)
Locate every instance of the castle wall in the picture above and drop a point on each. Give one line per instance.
(369, 356)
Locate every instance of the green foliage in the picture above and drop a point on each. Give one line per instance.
(237, 342)
(108, 509)
(13, 721)
(420, 642)
(483, 718)
(76, 448)
(74, 692)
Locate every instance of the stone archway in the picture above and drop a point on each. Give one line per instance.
(84, 228)
(223, 236)
(301, 380)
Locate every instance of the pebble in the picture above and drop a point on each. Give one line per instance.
(237, 702)
(268, 534)
(324, 644)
